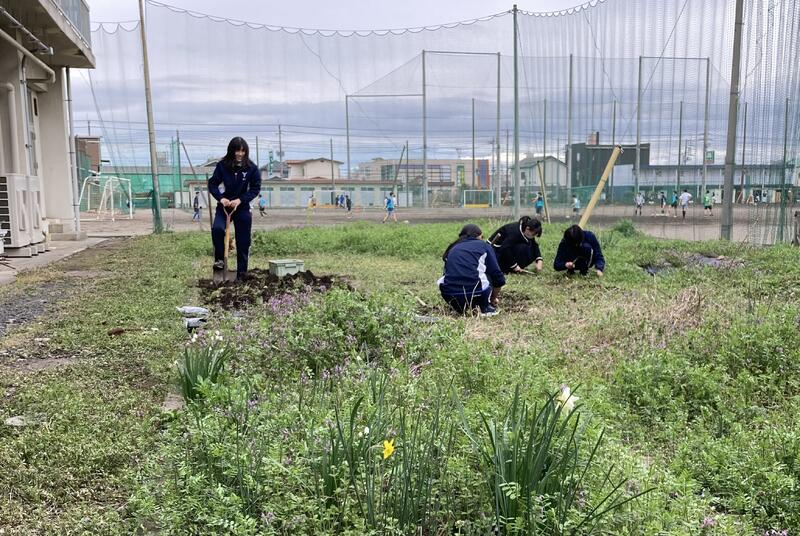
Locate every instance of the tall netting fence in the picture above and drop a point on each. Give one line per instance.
(429, 112)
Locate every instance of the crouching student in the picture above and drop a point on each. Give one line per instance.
(472, 278)
(579, 251)
(516, 247)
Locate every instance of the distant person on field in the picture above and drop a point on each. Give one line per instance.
(673, 203)
(241, 179)
(662, 198)
(539, 204)
(515, 245)
(707, 203)
(196, 207)
(262, 205)
(389, 204)
(472, 278)
(579, 251)
(638, 201)
(684, 200)
(576, 206)
(348, 203)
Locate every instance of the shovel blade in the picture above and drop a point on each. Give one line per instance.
(218, 275)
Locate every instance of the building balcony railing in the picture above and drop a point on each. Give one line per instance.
(77, 11)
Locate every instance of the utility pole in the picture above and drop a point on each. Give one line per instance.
(158, 226)
(258, 163)
(497, 135)
(613, 143)
(516, 120)
(569, 129)
(508, 144)
(544, 145)
(726, 222)
(705, 126)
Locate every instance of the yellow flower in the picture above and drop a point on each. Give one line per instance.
(388, 448)
(566, 399)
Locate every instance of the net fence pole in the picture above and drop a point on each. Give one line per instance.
(180, 175)
(280, 149)
(473, 145)
(638, 130)
(347, 131)
(782, 210)
(569, 129)
(744, 149)
(516, 119)
(705, 127)
(151, 129)
(424, 136)
(726, 222)
(544, 152)
(680, 146)
(614, 143)
(497, 135)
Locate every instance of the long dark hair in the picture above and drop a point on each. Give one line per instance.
(531, 223)
(470, 230)
(237, 144)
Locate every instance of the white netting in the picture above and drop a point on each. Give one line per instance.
(362, 92)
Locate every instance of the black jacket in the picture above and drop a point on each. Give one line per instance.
(585, 256)
(513, 248)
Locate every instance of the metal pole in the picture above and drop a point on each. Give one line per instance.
(333, 176)
(73, 160)
(408, 203)
(347, 131)
(151, 130)
(508, 144)
(784, 197)
(497, 137)
(516, 120)
(569, 131)
(473, 144)
(638, 131)
(705, 127)
(744, 147)
(544, 156)
(424, 137)
(280, 149)
(613, 142)
(258, 162)
(680, 149)
(726, 222)
(180, 176)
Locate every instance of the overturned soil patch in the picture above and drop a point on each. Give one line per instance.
(259, 286)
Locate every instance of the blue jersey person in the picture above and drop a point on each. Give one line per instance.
(472, 278)
(579, 251)
(235, 183)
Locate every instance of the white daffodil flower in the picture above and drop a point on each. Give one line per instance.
(566, 399)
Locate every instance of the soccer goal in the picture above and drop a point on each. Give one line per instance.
(108, 197)
(478, 198)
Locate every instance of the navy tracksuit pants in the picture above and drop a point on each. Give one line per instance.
(242, 221)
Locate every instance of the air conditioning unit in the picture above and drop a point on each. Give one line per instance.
(19, 203)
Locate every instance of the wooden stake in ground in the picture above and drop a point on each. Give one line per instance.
(600, 185)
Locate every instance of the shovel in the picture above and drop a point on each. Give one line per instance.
(223, 274)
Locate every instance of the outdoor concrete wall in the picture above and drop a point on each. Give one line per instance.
(10, 74)
(54, 164)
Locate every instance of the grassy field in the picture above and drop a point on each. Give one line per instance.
(344, 412)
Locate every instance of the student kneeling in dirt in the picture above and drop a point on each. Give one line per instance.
(516, 247)
(578, 251)
(235, 183)
(472, 278)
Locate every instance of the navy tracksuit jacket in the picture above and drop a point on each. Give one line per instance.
(239, 182)
(585, 256)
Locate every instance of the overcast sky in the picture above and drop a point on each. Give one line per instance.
(341, 14)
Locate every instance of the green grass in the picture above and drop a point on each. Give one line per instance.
(692, 375)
